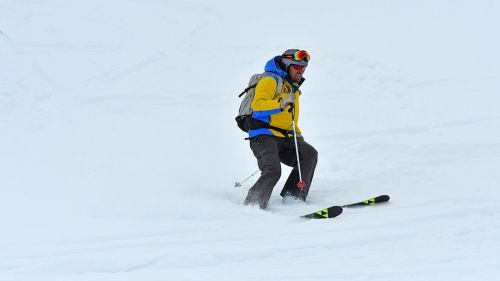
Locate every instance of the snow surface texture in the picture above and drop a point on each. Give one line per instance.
(118, 147)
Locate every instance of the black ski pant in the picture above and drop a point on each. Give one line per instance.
(270, 152)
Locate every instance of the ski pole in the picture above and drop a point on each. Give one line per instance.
(301, 184)
(238, 184)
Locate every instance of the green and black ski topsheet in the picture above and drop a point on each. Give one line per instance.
(327, 213)
(335, 211)
(369, 202)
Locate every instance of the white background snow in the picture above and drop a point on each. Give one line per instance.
(118, 147)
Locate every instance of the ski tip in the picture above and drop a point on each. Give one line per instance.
(327, 213)
(382, 198)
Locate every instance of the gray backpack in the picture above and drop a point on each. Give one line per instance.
(244, 119)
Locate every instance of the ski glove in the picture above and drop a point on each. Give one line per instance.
(287, 100)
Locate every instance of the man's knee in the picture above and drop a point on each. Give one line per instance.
(311, 154)
(314, 153)
(272, 171)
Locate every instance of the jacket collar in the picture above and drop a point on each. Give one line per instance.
(273, 66)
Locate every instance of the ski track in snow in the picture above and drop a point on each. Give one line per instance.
(118, 147)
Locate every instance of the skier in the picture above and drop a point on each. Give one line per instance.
(272, 146)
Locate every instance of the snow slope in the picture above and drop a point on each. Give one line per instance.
(118, 148)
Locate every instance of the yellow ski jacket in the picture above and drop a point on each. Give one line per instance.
(266, 103)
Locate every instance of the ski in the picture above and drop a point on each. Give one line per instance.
(335, 211)
(369, 202)
(326, 213)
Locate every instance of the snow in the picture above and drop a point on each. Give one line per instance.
(119, 150)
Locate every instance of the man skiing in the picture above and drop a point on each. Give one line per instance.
(279, 141)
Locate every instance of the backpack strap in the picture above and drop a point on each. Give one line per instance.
(258, 124)
(246, 89)
(279, 82)
(280, 86)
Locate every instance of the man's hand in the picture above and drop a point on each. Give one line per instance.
(287, 100)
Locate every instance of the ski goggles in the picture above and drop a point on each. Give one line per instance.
(298, 56)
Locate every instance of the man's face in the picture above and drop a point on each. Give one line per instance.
(295, 72)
